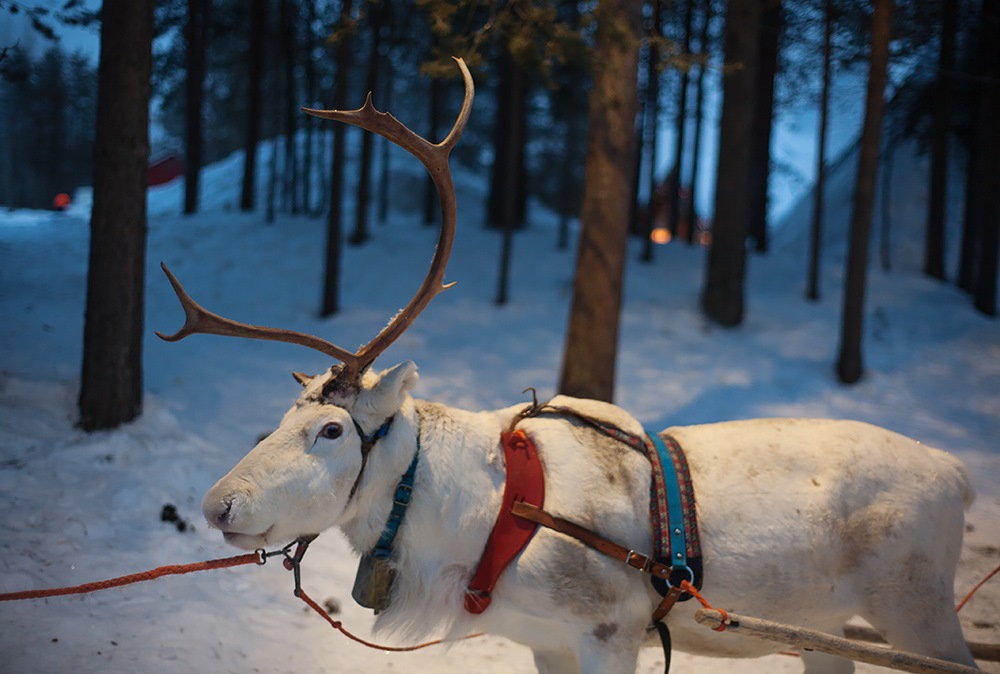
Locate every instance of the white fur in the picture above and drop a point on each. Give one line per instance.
(808, 522)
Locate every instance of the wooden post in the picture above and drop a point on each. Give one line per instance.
(819, 641)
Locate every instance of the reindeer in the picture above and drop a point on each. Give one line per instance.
(803, 521)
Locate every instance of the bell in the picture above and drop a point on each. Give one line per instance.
(373, 584)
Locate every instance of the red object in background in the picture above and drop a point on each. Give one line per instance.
(61, 201)
(164, 168)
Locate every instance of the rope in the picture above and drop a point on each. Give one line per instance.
(173, 570)
(258, 557)
(693, 591)
(978, 585)
(337, 625)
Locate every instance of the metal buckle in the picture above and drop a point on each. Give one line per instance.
(403, 494)
(647, 563)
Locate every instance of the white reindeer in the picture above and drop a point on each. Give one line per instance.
(808, 522)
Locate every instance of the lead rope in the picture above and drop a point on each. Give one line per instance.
(292, 561)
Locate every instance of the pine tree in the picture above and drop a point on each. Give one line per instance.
(588, 368)
(722, 297)
(849, 361)
(111, 379)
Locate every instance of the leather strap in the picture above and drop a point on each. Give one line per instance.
(525, 484)
(631, 558)
(636, 560)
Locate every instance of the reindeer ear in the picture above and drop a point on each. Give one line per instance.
(303, 378)
(387, 393)
(400, 378)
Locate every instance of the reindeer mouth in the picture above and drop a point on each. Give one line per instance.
(247, 541)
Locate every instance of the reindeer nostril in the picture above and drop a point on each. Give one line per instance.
(221, 513)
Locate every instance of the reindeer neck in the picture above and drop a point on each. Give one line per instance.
(389, 459)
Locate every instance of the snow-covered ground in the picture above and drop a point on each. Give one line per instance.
(77, 507)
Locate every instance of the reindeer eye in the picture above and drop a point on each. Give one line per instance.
(331, 431)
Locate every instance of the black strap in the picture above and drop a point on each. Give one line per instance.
(367, 442)
(664, 632)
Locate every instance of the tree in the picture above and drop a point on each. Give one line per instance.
(508, 184)
(722, 297)
(816, 225)
(195, 35)
(334, 223)
(49, 127)
(772, 20)
(699, 115)
(677, 173)
(111, 379)
(651, 111)
(377, 18)
(255, 80)
(988, 140)
(941, 133)
(588, 368)
(289, 37)
(849, 361)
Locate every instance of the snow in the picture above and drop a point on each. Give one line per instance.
(80, 507)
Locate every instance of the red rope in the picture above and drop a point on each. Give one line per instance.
(178, 569)
(173, 570)
(337, 625)
(978, 585)
(693, 591)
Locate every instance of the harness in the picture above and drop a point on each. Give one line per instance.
(677, 555)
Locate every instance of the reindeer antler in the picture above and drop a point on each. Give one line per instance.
(434, 157)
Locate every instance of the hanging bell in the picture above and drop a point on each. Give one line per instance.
(373, 584)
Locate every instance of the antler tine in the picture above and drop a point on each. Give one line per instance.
(434, 157)
(199, 320)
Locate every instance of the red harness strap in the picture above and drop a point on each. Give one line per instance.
(510, 535)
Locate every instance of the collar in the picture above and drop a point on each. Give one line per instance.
(400, 502)
(373, 584)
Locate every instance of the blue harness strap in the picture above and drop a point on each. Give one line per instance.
(672, 512)
(668, 492)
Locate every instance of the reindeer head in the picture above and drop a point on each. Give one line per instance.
(302, 478)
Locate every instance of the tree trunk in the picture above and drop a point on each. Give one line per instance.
(309, 163)
(111, 379)
(772, 19)
(195, 32)
(985, 290)
(816, 229)
(677, 185)
(334, 225)
(651, 111)
(588, 368)
(699, 115)
(507, 176)
(722, 298)
(849, 362)
(508, 185)
(255, 80)
(934, 248)
(289, 35)
(360, 234)
(973, 201)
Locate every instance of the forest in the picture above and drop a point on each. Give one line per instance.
(573, 100)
